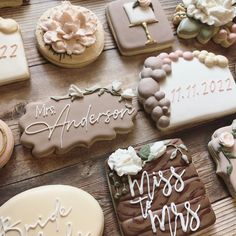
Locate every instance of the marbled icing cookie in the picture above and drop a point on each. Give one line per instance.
(78, 118)
(139, 26)
(222, 148)
(55, 210)
(156, 190)
(179, 89)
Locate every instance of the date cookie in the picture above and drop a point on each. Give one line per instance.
(70, 36)
(179, 89)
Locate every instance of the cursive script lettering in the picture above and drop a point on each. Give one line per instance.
(145, 202)
(6, 227)
(63, 122)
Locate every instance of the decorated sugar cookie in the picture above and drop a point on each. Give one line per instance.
(180, 88)
(70, 36)
(222, 148)
(57, 210)
(206, 20)
(79, 118)
(139, 26)
(12, 54)
(6, 143)
(12, 3)
(156, 190)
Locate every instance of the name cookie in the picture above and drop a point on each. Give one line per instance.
(222, 148)
(156, 190)
(12, 54)
(178, 89)
(79, 118)
(52, 210)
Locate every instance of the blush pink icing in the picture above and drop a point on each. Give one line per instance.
(70, 29)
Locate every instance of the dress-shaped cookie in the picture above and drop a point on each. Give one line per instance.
(156, 190)
(13, 63)
(70, 36)
(139, 26)
(179, 89)
(56, 210)
(79, 118)
(222, 148)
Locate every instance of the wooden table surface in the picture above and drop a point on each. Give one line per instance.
(84, 168)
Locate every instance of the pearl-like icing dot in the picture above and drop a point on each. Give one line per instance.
(167, 61)
(156, 113)
(204, 52)
(173, 56)
(150, 104)
(211, 54)
(163, 122)
(222, 61)
(147, 87)
(159, 95)
(158, 75)
(188, 55)
(210, 61)
(163, 55)
(202, 57)
(196, 53)
(146, 73)
(167, 68)
(179, 53)
(153, 63)
(164, 102)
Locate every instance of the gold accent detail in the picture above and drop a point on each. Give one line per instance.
(4, 135)
(150, 40)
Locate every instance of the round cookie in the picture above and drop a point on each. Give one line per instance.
(6, 143)
(56, 210)
(70, 36)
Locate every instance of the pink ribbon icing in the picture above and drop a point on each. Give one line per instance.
(70, 29)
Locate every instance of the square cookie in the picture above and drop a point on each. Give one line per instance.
(156, 190)
(13, 63)
(139, 29)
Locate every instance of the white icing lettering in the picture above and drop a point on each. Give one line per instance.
(6, 227)
(192, 219)
(63, 121)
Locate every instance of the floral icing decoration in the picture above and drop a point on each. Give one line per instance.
(227, 141)
(211, 12)
(125, 162)
(69, 29)
(115, 89)
(143, 4)
(128, 162)
(206, 20)
(157, 69)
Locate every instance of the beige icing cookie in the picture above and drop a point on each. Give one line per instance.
(79, 118)
(180, 88)
(12, 54)
(55, 210)
(6, 143)
(70, 36)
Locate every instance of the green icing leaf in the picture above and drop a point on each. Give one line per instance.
(144, 152)
(234, 133)
(205, 34)
(229, 169)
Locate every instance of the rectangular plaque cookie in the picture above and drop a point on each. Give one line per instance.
(156, 190)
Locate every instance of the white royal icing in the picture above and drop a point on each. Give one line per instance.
(191, 219)
(138, 14)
